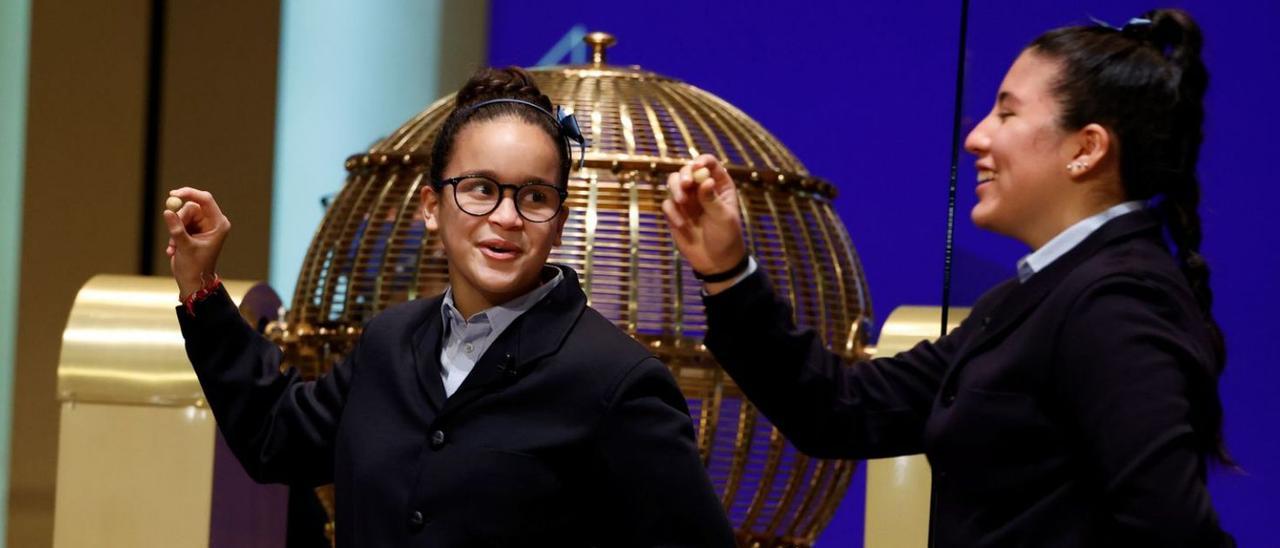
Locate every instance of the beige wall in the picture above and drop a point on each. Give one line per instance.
(218, 127)
(85, 126)
(84, 191)
(464, 39)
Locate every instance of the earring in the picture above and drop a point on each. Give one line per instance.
(1077, 165)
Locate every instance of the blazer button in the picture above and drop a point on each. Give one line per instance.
(437, 439)
(416, 519)
(948, 399)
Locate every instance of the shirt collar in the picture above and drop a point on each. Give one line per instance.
(500, 316)
(1067, 239)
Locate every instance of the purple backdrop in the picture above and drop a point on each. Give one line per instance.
(863, 92)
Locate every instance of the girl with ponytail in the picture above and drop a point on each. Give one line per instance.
(1078, 404)
(505, 412)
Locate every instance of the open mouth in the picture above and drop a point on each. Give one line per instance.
(499, 249)
(985, 176)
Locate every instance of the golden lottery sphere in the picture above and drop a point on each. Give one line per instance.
(372, 251)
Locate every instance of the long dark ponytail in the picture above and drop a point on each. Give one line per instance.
(1146, 83)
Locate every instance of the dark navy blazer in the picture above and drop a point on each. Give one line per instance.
(566, 433)
(1056, 414)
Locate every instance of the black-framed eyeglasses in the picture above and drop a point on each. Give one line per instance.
(479, 196)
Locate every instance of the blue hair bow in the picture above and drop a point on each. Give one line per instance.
(569, 128)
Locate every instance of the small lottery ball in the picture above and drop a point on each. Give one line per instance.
(701, 174)
(173, 204)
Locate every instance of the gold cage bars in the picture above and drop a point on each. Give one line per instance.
(372, 251)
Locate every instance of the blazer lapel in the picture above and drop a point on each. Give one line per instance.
(535, 334)
(1007, 312)
(426, 354)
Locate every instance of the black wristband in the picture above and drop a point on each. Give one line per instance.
(726, 275)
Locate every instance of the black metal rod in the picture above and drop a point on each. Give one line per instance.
(951, 214)
(955, 166)
(151, 143)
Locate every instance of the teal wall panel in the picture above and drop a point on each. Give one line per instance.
(15, 26)
(348, 76)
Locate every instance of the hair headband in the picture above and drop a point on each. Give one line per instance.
(563, 119)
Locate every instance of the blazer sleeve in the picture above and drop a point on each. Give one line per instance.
(654, 488)
(280, 427)
(1128, 350)
(824, 406)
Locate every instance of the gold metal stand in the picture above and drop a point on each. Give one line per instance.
(139, 460)
(898, 489)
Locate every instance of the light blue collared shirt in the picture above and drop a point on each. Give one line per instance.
(1067, 239)
(466, 339)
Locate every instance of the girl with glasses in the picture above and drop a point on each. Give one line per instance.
(504, 412)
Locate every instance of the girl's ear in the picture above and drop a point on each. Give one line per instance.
(1090, 146)
(431, 208)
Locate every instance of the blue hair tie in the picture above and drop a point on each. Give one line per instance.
(1137, 25)
(1134, 24)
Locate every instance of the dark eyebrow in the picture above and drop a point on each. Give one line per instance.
(488, 174)
(1007, 97)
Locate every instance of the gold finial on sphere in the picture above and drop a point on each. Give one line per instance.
(599, 41)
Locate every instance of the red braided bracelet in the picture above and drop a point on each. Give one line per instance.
(202, 294)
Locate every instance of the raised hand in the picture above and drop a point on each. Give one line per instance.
(196, 234)
(705, 219)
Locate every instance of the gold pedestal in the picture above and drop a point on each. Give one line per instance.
(898, 489)
(139, 459)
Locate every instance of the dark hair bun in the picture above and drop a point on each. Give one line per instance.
(488, 84)
(501, 83)
(1175, 34)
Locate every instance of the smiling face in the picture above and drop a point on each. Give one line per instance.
(496, 257)
(1022, 156)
